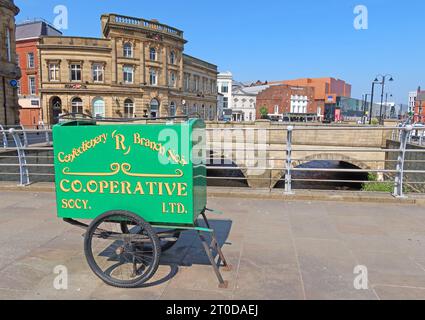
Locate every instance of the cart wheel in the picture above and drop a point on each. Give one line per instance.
(165, 244)
(122, 259)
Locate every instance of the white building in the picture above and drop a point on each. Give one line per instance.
(220, 102)
(224, 84)
(244, 103)
(412, 101)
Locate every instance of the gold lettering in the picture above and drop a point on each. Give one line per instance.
(61, 186)
(125, 187)
(102, 186)
(119, 142)
(139, 188)
(76, 186)
(182, 190)
(114, 187)
(89, 186)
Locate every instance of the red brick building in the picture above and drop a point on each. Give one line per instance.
(326, 91)
(419, 114)
(285, 102)
(28, 35)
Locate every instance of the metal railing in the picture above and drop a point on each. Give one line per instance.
(30, 152)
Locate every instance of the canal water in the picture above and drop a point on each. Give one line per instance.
(218, 177)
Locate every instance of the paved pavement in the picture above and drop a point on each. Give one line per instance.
(279, 250)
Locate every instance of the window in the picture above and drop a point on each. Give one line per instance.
(276, 109)
(154, 106)
(128, 50)
(152, 54)
(172, 109)
(18, 86)
(98, 71)
(224, 88)
(128, 74)
(30, 60)
(225, 102)
(187, 82)
(98, 108)
(75, 72)
(153, 78)
(172, 57)
(8, 52)
(128, 108)
(196, 83)
(53, 72)
(172, 79)
(210, 113)
(31, 85)
(77, 105)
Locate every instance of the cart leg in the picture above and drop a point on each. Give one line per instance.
(223, 284)
(215, 245)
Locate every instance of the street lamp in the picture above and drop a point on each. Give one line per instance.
(371, 99)
(365, 116)
(386, 104)
(384, 78)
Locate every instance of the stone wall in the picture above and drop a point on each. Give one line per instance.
(8, 68)
(410, 156)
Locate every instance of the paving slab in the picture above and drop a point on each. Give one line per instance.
(278, 249)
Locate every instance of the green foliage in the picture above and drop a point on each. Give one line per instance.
(377, 186)
(264, 112)
(375, 121)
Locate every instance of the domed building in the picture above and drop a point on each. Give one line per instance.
(9, 70)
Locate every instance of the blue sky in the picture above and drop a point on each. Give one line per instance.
(278, 39)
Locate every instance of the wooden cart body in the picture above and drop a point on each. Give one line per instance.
(154, 170)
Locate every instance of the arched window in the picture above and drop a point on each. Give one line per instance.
(172, 79)
(172, 57)
(77, 105)
(152, 54)
(128, 50)
(153, 77)
(128, 108)
(154, 105)
(172, 109)
(56, 105)
(98, 108)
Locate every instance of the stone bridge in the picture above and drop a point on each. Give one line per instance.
(259, 149)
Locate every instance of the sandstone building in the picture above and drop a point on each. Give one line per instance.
(138, 69)
(9, 71)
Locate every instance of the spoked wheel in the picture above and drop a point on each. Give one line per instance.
(122, 259)
(167, 239)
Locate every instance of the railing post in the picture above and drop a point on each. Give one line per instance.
(23, 169)
(398, 182)
(43, 127)
(5, 143)
(25, 136)
(288, 175)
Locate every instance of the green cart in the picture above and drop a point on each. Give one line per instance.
(141, 185)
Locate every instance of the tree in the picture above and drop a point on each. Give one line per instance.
(264, 112)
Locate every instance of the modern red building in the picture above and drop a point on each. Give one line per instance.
(287, 103)
(419, 114)
(28, 35)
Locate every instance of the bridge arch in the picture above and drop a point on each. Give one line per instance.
(219, 159)
(326, 156)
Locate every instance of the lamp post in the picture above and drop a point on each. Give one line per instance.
(365, 108)
(371, 100)
(382, 83)
(386, 104)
